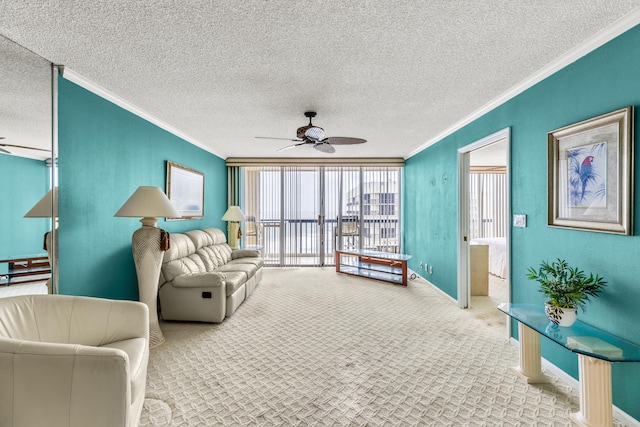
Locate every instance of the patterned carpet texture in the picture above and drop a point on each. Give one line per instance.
(314, 348)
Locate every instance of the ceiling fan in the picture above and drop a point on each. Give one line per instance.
(314, 136)
(2, 150)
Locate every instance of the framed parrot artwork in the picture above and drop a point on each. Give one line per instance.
(590, 173)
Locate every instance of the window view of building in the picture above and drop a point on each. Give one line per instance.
(301, 215)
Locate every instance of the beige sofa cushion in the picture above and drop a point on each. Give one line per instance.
(200, 238)
(234, 280)
(258, 262)
(220, 244)
(248, 269)
(181, 258)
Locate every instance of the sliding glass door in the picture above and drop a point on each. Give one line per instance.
(300, 215)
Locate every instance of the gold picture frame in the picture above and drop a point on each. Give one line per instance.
(590, 174)
(185, 188)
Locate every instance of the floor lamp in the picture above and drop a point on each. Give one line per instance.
(234, 215)
(47, 207)
(149, 203)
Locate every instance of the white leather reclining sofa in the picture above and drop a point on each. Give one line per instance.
(202, 279)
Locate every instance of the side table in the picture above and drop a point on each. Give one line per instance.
(596, 351)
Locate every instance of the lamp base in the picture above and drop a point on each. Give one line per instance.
(148, 259)
(234, 242)
(156, 338)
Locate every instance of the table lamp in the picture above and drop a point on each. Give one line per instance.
(47, 207)
(234, 215)
(149, 203)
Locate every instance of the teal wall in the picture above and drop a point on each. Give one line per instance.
(605, 80)
(105, 154)
(23, 183)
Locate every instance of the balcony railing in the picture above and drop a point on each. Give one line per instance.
(295, 242)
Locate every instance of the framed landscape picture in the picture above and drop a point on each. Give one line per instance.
(185, 189)
(590, 174)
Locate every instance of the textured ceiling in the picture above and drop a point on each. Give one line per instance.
(397, 73)
(25, 101)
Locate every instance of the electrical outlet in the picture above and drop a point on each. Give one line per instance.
(431, 269)
(421, 265)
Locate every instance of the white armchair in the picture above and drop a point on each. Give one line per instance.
(72, 361)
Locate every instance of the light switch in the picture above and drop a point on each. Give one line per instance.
(519, 220)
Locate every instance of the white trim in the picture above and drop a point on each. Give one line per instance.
(464, 289)
(91, 86)
(464, 259)
(453, 300)
(600, 38)
(490, 139)
(618, 413)
(323, 161)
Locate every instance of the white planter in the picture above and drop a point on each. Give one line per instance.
(561, 316)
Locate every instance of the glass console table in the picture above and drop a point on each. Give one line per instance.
(596, 351)
(384, 266)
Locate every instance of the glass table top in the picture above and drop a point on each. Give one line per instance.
(385, 255)
(579, 338)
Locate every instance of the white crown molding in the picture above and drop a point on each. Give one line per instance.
(600, 38)
(91, 86)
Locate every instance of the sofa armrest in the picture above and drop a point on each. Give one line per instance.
(200, 280)
(72, 384)
(245, 253)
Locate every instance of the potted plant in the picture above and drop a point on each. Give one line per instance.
(566, 289)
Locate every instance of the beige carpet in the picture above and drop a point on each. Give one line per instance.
(484, 307)
(311, 347)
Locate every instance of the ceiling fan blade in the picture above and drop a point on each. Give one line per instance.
(292, 146)
(283, 139)
(324, 147)
(24, 147)
(343, 140)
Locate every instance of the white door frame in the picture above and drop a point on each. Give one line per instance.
(464, 288)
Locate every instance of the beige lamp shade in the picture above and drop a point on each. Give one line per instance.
(148, 203)
(233, 214)
(46, 206)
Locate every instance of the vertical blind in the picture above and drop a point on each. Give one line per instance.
(300, 215)
(488, 208)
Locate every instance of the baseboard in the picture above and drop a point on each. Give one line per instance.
(411, 272)
(618, 413)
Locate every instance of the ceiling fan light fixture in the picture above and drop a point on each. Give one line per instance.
(314, 133)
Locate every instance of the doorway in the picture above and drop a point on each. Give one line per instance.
(484, 223)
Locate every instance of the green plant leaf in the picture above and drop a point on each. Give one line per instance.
(566, 286)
